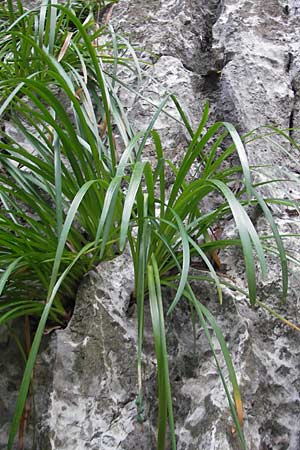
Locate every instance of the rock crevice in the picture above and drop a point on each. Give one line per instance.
(244, 56)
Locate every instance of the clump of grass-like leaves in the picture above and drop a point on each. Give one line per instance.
(24, 33)
(77, 198)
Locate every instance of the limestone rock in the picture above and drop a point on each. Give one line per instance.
(93, 389)
(178, 28)
(265, 355)
(11, 368)
(244, 57)
(253, 39)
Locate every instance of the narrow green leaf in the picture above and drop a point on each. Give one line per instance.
(183, 116)
(247, 234)
(134, 184)
(186, 261)
(165, 395)
(37, 340)
(65, 231)
(280, 246)
(52, 25)
(200, 311)
(242, 154)
(42, 21)
(6, 274)
(157, 332)
(209, 266)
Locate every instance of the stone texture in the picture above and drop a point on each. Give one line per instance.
(254, 39)
(245, 58)
(92, 385)
(168, 75)
(93, 388)
(12, 366)
(182, 29)
(265, 355)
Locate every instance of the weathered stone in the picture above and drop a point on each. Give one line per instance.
(181, 29)
(168, 75)
(92, 393)
(94, 387)
(251, 44)
(265, 355)
(253, 39)
(245, 58)
(12, 364)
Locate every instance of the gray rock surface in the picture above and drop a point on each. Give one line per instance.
(11, 369)
(244, 56)
(92, 392)
(92, 385)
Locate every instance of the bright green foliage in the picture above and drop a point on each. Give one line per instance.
(68, 150)
(76, 199)
(25, 33)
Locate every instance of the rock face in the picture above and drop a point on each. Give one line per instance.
(92, 398)
(244, 57)
(11, 369)
(92, 385)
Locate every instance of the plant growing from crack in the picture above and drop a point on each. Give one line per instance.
(76, 199)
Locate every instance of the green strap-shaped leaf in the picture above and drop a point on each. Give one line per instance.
(248, 237)
(185, 263)
(157, 314)
(237, 412)
(6, 274)
(54, 285)
(242, 154)
(134, 184)
(279, 243)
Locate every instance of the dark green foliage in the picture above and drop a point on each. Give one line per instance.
(73, 201)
